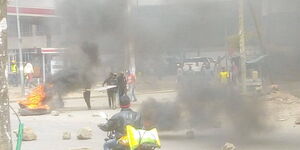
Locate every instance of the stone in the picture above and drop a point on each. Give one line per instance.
(84, 134)
(54, 113)
(66, 136)
(275, 87)
(190, 134)
(297, 121)
(228, 146)
(29, 135)
(81, 148)
(96, 115)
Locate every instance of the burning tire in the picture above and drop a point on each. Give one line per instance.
(34, 103)
(32, 112)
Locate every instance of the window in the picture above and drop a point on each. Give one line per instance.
(40, 29)
(26, 29)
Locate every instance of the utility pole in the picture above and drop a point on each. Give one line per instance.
(21, 70)
(131, 44)
(5, 135)
(242, 46)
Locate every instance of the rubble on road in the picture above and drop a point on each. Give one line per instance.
(228, 146)
(66, 136)
(28, 134)
(84, 134)
(282, 97)
(55, 113)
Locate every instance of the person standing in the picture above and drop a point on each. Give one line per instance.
(224, 76)
(87, 95)
(179, 74)
(131, 80)
(14, 73)
(28, 71)
(121, 84)
(206, 73)
(111, 93)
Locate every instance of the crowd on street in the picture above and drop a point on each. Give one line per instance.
(117, 85)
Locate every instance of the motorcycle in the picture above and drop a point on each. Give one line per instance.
(135, 139)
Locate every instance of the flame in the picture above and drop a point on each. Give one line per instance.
(35, 99)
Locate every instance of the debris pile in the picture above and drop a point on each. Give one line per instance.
(282, 97)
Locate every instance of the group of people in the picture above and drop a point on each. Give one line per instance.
(209, 73)
(28, 74)
(121, 85)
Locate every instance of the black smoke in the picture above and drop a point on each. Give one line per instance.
(202, 107)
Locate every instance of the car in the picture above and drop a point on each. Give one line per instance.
(196, 63)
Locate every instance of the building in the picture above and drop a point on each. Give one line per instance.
(40, 28)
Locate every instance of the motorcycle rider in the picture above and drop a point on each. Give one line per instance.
(119, 121)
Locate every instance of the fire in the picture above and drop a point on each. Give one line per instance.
(35, 99)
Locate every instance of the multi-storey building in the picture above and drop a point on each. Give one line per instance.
(39, 28)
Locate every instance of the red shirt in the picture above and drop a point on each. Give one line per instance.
(131, 79)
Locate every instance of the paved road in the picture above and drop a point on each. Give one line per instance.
(50, 128)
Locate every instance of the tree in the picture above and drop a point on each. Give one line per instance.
(5, 135)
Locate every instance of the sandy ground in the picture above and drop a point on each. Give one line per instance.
(284, 135)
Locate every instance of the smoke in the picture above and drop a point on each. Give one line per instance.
(174, 27)
(201, 106)
(156, 113)
(80, 69)
(89, 30)
(154, 30)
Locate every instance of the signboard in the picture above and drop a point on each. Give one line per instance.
(52, 50)
(56, 65)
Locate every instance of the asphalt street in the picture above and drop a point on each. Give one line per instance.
(75, 115)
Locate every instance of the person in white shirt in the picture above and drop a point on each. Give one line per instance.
(28, 72)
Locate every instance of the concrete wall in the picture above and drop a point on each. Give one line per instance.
(27, 42)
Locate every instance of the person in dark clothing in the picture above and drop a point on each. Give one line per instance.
(111, 93)
(119, 121)
(121, 84)
(87, 95)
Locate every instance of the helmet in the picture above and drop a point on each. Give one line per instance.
(13, 61)
(124, 101)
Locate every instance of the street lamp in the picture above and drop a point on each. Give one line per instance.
(20, 49)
